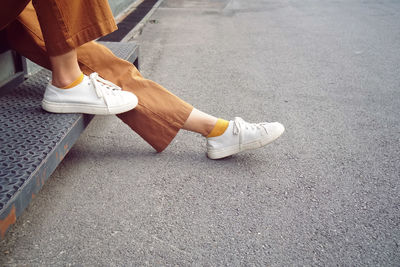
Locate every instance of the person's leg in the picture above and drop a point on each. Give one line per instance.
(200, 122)
(66, 25)
(159, 114)
(64, 69)
(62, 26)
(33, 44)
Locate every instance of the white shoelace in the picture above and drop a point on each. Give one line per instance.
(103, 87)
(239, 123)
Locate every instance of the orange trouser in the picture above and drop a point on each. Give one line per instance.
(68, 24)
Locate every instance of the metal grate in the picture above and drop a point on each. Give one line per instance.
(27, 134)
(33, 142)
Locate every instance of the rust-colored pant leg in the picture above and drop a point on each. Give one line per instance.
(10, 9)
(65, 24)
(159, 114)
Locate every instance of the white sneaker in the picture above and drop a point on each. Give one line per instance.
(93, 95)
(241, 136)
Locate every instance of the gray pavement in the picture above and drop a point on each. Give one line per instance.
(326, 193)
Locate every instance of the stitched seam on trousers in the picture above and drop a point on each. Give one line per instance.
(34, 33)
(75, 34)
(62, 20)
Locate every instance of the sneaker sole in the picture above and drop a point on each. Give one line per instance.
(228, 151)
(84, 108)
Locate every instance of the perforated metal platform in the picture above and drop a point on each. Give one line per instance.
(33, 142)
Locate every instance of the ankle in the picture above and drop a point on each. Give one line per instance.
(200, 122)
(65, 68)
(218, 129)
(65, 80)
(207, 127)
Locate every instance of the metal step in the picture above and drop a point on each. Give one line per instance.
(33, 142)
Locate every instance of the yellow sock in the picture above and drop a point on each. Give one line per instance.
(74, 83)
(219, 128)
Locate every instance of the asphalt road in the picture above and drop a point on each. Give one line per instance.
(326, 193)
